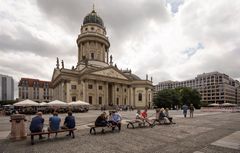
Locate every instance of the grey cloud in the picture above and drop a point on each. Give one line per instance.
(123, 19)
(24, 41)
(212, 24)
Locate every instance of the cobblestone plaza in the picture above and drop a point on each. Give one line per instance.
(207, 132)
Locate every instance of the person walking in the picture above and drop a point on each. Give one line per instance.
(191, 108)
(185, 108)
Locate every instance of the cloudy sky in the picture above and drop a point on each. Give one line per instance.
(166, 39)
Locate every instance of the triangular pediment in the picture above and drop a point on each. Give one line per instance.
(110, 72)
(56, 72)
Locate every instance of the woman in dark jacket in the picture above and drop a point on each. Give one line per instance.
(101, 120)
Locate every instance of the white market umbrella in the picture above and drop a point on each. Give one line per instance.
(56, 103)
(43, 104)
(26, 102)
(78, 103)
(214, 104)
(228, 104)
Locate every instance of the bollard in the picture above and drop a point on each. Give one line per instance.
(18, 131)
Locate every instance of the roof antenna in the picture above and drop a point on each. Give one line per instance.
(93, 7)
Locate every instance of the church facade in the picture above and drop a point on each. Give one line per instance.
(95, 79)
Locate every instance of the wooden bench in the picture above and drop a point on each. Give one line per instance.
(50, 132)
(160, 122)
(93, 128)
(132, 124)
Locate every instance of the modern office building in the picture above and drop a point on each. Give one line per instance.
(34, 89)
(95, 79)
(214, 87)
(6, 88)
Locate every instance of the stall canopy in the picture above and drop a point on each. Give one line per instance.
(78, 103)
(43, 104)
(26, 103)
(214, 104)
(228, 104)
(56, 103)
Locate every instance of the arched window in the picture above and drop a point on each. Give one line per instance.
(140, 97)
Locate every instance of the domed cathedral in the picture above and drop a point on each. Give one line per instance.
(95, 79)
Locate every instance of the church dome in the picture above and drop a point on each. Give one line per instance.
(93, 18)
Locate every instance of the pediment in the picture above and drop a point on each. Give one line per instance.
(56, 72)
(110, 73)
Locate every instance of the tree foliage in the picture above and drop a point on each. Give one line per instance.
(172, 98)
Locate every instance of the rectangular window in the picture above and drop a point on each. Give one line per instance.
(100, 87)
(117, 89)
(117, 101)
(92, 55)
(74, 98)
(100, 100)
(90, 99)
(90, 86)
(73, 87)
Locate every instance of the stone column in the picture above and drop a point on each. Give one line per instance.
(134, 102)
(106, 94)
(84, 90)
(97, 94)
(113, 94)
(107, 56)
(146, 97)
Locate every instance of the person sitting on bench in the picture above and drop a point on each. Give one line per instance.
(69, 122)
(167, 115)
(116, 119)
(101, 121)
(144, 116)
(37, 124)
(139, 116)
(163, 117)
(54, 122)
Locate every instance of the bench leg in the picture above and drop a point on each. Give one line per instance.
(32, 139)
(92, 130)
(130, 124)
(72, 132)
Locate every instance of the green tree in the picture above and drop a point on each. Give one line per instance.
(177, 97)
(166, 98)
(190, 96)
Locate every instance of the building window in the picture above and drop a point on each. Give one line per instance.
(100, 100)
(117, 89)
(117, 101)
(100, 87)
(92, 28)
(90, 86)
(74, 98)
(125, 90)
(92, 55)
(140, 97)
(90, 99)
(73, 87)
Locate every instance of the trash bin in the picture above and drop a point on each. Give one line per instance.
(18, 130)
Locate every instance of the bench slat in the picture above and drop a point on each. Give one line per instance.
(49, 132)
